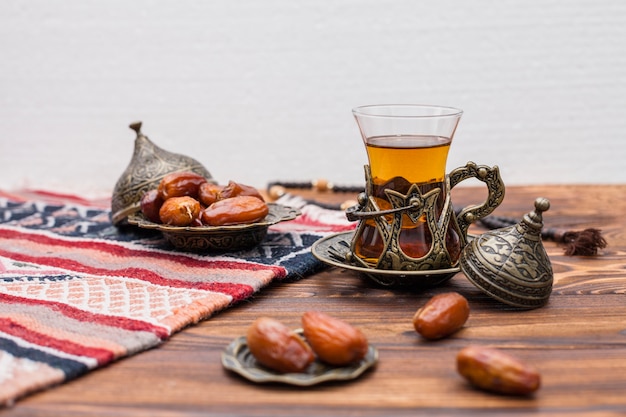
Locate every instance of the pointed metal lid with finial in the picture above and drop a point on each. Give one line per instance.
(511, 264)
(149, 164)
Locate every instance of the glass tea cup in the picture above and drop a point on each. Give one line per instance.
(406, 217)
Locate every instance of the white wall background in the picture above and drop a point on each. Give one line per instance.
(263, 90)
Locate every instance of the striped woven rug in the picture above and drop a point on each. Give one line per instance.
(76, 293)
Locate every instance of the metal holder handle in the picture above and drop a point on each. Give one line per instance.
(355, 213)
(495, 186)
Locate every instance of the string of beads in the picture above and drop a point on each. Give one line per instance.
(277, 189)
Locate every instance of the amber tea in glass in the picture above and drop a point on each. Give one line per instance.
(397, 162)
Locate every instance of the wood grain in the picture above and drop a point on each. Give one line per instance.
(577, 341)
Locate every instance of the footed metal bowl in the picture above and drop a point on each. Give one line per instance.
(218, 238)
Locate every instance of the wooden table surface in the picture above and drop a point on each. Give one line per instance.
(577, 341)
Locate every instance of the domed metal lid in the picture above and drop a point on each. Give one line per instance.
(149, 164)
(511, 264)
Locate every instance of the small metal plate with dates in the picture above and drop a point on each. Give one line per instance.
(238, 358)
(218, 238)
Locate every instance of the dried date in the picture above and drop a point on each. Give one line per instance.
(178, 184)
(209, 193)
(333, 340)
(179, 211)
(234, 189)
(150, 204)
(441, 316)
(496, 371)
(276, 347)
(236, 210)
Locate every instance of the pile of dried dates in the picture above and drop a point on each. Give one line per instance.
(188, 199)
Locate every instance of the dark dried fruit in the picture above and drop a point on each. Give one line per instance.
(151, 203)
(333, 340)
(275, 346)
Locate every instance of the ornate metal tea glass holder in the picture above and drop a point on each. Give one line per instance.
(439, 220)
(509, 264)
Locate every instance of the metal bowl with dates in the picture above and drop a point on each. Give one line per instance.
(218, 238)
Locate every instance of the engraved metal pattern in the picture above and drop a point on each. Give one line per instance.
(148, 165)
(511, 264)
(225, 241)
(413, 205)
(393, 257)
